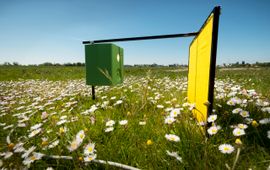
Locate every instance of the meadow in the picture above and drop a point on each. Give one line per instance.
(48, 120)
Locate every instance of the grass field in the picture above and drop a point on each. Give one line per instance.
(48, 120)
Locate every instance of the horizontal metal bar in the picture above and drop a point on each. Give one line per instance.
(142, 38)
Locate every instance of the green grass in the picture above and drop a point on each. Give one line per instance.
(61, 91)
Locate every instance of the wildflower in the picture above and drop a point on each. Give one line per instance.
(110, 123)
(237, 110)
(109, 129)
(36, 156)
(89, 149)
(174, 112)
(268, 134)
(226, 148)
(213, 130)
(266, 109)
(8, 155)
(160, 106)
(238, 132)
(172, 137)
(18, 148)
(62, 130)
(142, 123)
(123, 122)
(27, 152)
(238, 141)
(53, 144)
(118, 102)
(174, 154)
(73, 145)
(80, 136)
(61, 122)
(192, 106)
(244, 113)
(264, 121)
(36, 126)
(169, 120)
(34, 133)
(90, 158)
(149, 142)
(254, 123)
(212, 118)
(49, 168)
(44, 115)
(242, 126)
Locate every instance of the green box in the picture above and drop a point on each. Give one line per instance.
(104, 64)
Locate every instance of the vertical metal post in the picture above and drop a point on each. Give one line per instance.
(93, 93)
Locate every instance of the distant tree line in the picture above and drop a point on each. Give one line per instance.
(244, 64)
(236, 64)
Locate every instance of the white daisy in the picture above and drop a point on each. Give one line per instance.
(80, 136)
(242, 126)
(174, 154)
(53, 144)
(212, 118)
(36, 126)
(238, 132)
(172, 137)
(90, 158)
(237, 110)
(123, 122)
(213, 130)
(34, 133)
(244, 113)
(169, 120)
(110, 123)
(89, 149)
(226, 148)
(175, 112)
(109, 129)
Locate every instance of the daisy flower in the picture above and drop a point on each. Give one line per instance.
(80, 136)
(244, 113)
(174, 112)
(53, 144)
(36, 126)
(34, 133)
(238, 132)
(110, 123)
(226, 148)
(172, 137)
(169, 120)
(237, 110)
(212, 118)
(89, 149)
(242, 126)
(213, 130)
(90, 158)
(73, 145)
(123, 122)
(109, 129)
(174, 154)
(160, 106)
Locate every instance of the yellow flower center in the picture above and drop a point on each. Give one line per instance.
(226, 149)
(90, 158)
(33, 158)
(90, 149)
(81, 136)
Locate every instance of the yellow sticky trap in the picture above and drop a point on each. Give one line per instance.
(200, 55)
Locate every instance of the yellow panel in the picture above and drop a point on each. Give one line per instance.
(199, 70)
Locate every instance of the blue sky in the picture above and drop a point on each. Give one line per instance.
(35, 31)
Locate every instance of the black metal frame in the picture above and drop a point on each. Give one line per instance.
(142, 38)
(216, 12)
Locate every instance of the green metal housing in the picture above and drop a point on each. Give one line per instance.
(104, 64)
